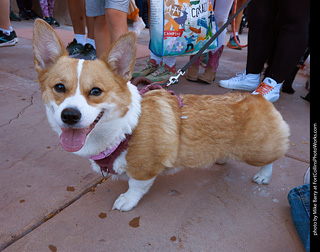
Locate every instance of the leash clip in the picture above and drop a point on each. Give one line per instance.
(174, 79)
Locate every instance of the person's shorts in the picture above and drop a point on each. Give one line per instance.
(96, 8)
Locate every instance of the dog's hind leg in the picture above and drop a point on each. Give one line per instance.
(264, 175)
(131, 198)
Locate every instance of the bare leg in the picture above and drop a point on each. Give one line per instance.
(101, 35)
(117, 23)
(128, 200)
(264, 175)
(77, 13)
(4, 14)
(90, 27)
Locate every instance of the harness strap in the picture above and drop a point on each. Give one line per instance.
(106, 163)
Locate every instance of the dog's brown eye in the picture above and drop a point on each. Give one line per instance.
(95, 91)
(60, 88)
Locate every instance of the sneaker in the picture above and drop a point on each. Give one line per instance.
(269, 88)
(8, 40)
(31, 14)
(54, 22)
(242, 81)
(88, 52)
(14, 17)
(48, 20)
(23, 15)
(232, 43)
(150, 67)
(306, 178)
(74, 47)
(163, 73)
(138, 27)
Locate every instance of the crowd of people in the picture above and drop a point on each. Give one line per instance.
(273, 26)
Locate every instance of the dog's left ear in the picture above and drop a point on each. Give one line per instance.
(47, 47)
(121, 55)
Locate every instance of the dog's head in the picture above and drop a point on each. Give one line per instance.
(83, 95)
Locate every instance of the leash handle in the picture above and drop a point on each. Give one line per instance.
(182, 71)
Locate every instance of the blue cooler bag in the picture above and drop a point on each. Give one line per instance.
(181, 27)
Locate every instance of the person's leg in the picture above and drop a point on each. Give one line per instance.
(292, 39)
(7, 34)
(261, 15)
(77, 14)
(290, 43)
(101, 35)
(97, 28)
(221, 12)
(299, 200)
(4, 14)
(117, 23)
(44, 8)
(222, 9)
(50, 7)
(237, 21)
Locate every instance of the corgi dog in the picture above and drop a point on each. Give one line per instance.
(94, 108)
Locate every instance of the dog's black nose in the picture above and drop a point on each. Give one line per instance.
(70, 116)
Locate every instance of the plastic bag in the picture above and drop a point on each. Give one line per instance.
(181, 27)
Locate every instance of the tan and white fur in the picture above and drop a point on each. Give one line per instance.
(204, 130)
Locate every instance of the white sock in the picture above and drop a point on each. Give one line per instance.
(231, 35)
(6, 32)
(169, 61)
(81, 38)
(155, 57)
(91, 42)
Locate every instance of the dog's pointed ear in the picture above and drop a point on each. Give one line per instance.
(122, 55)
(47, 47)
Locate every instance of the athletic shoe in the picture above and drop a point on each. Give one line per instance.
(306, 178)
(150, 67)
(8, 40)
(48, 20)
(74, 47)
(14, 17)
(269, 88)
(232, 43)
(163, 73)
(242, 81)
(31, 14)
(23, 15)
(138, 27)
(88, 53)
(54, 22)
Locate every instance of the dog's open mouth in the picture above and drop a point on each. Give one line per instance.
(73, 139)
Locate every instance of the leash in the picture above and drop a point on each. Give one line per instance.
(174, 79)
(234, 27)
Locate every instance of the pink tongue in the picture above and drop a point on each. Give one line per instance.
(73, 140)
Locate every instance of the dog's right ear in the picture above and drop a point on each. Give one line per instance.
(47, 47)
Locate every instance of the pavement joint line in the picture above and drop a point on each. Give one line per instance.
(21, 112)
(297, 158)
(53, 213)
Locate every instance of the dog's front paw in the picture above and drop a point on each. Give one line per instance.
(261, 178)
(264, 175)
(125, 203)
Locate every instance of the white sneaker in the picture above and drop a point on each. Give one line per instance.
(138, 27)
(269, 88)
(242, 81)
